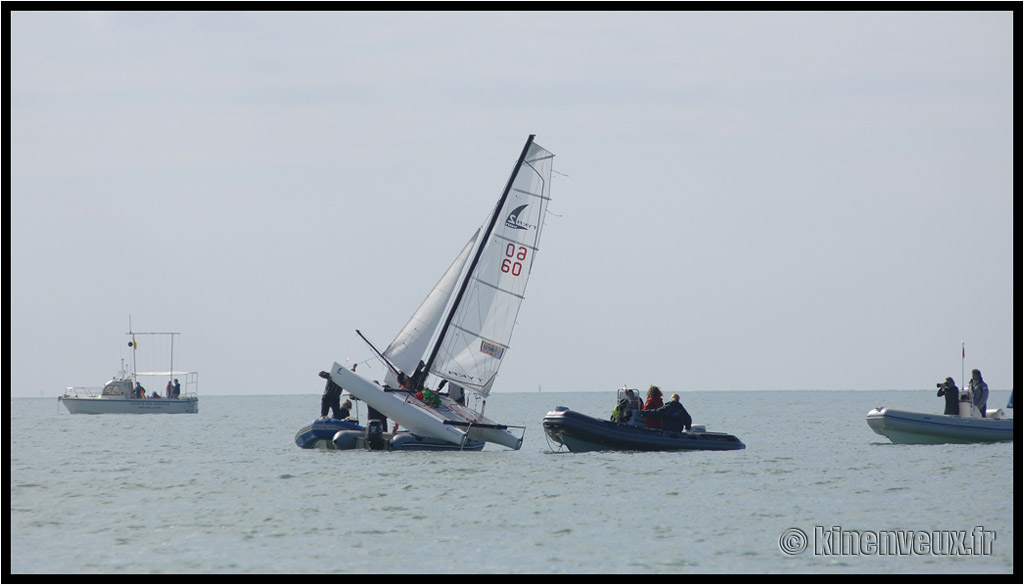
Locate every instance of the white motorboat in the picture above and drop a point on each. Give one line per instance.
(906, 427)
(119, 396)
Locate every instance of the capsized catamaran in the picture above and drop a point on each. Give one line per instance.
(461, 331)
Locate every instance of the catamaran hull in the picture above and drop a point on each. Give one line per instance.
(582, 433)
(84, 405)
(493, 435)
(450, 423)
(417, 420)
(906, 427)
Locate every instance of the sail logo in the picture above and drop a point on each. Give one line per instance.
(491, 349)
(513, 221)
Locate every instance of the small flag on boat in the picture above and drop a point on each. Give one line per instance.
(133, 344)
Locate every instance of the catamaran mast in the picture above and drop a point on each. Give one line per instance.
(472, 266)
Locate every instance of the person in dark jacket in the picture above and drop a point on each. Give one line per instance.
(331, 399)
(979, 391)
(346, 410)
(673, 415)
(952, 394)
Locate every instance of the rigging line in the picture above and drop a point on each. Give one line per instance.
(548, 440)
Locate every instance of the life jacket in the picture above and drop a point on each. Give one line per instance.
(430, 397)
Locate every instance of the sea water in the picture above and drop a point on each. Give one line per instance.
(228, 491)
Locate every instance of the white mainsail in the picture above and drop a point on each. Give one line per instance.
(409, 346)
(477, 338)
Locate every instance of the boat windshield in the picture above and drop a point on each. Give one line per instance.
(114, 388)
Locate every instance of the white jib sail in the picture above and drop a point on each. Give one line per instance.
(406, 351)
(478, 337)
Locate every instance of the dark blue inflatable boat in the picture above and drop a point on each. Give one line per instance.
(335, 434)
(319, 434)
(580, 433)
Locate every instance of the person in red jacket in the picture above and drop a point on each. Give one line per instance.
(653, 402)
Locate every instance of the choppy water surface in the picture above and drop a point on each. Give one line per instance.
(227, 491)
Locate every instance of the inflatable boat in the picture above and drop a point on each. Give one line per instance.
(319, 434)
(907, 427)
(580, 433)
(334, 434)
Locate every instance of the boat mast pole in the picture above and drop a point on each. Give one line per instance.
(130, 334)
(963, 356)
(170, 374)
(418, 382)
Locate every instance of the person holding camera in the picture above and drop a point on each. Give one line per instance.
(952, 394)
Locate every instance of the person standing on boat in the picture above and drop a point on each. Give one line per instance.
(979, 391)
(169, 390)
(331, 399)
(952, 394)
(653, 402)
(140, 392)
(674, 415)
(177, 388)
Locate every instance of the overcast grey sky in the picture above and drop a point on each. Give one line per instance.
(743, 200)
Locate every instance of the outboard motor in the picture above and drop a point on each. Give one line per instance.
(375, 436)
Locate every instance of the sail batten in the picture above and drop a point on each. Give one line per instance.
(538, 195)
(480, 337)
(506, 239)
(495, 287)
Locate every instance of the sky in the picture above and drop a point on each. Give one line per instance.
(741, 200)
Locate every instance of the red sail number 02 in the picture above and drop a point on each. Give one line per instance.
(512, 254)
